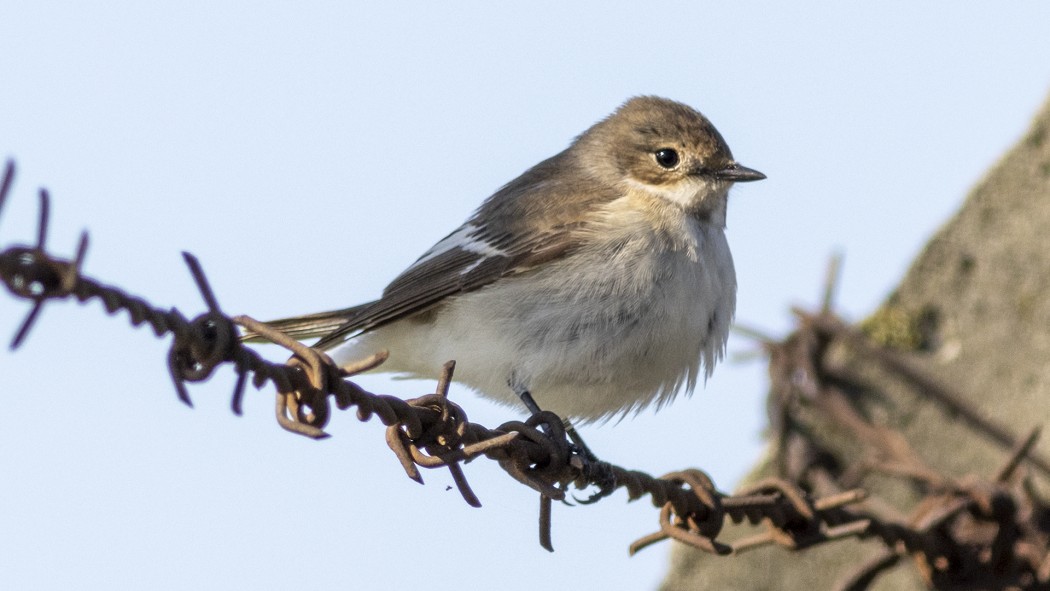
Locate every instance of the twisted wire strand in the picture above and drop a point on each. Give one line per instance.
(426, 432)
(433, 432)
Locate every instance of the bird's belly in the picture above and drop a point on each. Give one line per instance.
(590, 346)
(589, 339)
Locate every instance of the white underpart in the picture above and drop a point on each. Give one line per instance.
(628, 320)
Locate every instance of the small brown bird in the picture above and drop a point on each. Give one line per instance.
(600, 280)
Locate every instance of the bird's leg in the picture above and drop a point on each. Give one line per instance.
(528, 400)
(578, 441)
(581, 446)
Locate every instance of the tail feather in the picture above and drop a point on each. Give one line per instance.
(306, 327)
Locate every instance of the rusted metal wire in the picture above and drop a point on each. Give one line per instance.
(962, 528)
(426, 432)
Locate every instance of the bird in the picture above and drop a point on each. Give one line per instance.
(596, 284)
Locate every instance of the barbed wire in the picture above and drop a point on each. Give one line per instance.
(426, 432)
(959, 528)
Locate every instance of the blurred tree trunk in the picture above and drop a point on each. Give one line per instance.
(974, 312)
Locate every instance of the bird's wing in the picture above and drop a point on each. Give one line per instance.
(465, 260)
(532, 220)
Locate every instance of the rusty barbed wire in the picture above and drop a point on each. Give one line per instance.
(425, 432)
(963, 529)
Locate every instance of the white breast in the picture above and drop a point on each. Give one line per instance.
(626, 322)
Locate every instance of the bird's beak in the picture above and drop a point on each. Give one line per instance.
(738, 174)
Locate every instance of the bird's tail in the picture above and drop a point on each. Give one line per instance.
(306, 327)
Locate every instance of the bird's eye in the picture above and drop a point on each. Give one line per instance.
(666, 157)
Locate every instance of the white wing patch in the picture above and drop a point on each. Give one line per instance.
(463, 238)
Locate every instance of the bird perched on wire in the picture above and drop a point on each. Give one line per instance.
(597, 283)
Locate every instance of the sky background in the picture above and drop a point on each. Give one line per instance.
(307, 154)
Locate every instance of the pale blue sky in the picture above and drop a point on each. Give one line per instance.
(308, 153)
